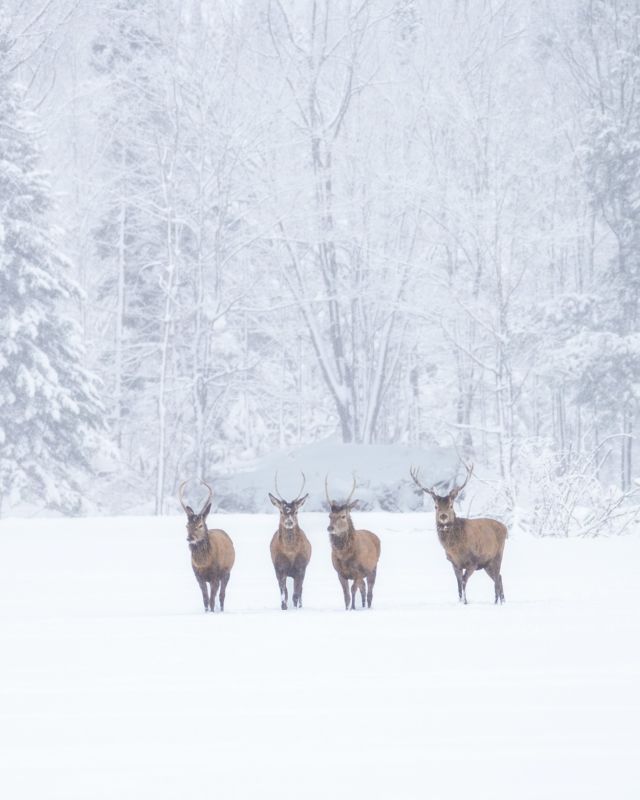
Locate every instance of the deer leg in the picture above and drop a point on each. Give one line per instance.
(298, 578)
(499, 590)
(467, 574)
(493, 571)
(458, 573)
(284, 594)
(215, 584)
(354, 588)
(345, 590)
(205, 592)
(223, 588)
(371, 579)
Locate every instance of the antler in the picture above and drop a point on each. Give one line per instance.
(304, 481)
(181, 495)
(353, 488)
(326, 489)
(280, 497)
(275, 481)
(415, 472)
(457, 489)
(210, 490)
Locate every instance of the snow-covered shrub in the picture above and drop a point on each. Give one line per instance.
(566, 497)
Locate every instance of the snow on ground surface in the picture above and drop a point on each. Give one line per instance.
(115, 684)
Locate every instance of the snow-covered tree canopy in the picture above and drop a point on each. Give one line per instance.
(406, 222)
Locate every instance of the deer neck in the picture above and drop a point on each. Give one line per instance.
(200, 552)
(342, 542)
(449, 530)
(288, 536)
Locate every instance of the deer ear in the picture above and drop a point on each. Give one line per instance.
(300, 500)
(206, 510)
(352, 504)
(189, 511)
(274, 500)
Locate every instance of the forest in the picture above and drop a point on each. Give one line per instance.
(229, 228)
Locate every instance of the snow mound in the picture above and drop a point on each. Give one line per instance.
(382, 474)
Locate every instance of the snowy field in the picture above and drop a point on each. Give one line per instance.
(115, 684)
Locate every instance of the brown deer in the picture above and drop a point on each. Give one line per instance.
(470, 544)
(290, 548)
(212, 552)
(354, 553)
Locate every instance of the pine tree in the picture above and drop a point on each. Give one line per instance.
(49, 409)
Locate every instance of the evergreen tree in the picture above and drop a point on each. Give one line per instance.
(49, 410)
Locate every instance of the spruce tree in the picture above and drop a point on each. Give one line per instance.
(49, 406)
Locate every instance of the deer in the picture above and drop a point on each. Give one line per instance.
(354, 553)
(290, 548)
(469, 544)
(212, 551)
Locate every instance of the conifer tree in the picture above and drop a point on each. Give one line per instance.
(49, 407)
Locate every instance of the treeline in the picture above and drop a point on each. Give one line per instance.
(406, 221)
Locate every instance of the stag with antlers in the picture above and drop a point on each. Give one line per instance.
(290, 548)
(470, 544)
(212, 552)
(354, 553)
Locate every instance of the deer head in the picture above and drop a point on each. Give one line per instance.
(340, 523)
(288, 510)
(445, 514)
(196, 523)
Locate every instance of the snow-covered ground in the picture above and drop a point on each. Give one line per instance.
(114, 684)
